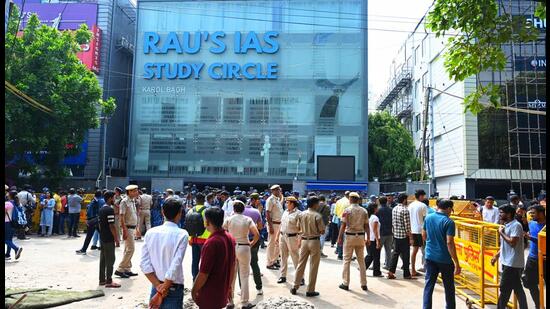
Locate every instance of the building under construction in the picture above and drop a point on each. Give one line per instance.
(493, 153)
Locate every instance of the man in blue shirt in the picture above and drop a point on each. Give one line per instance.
(438, 232)
(531, 274)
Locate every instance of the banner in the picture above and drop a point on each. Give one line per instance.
(469, 255)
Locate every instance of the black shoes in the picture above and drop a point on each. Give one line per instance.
(281, 280)
(303, 282)
(364, 288)
(18, 253)
(130, 274)
(80, 252)
(121, 275)
(95, 248)
(312, 294)
(293, 291)
(272, 267)
(344, 287)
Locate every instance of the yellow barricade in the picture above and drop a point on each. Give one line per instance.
(476, 244)
(542, 260)
(87, 198)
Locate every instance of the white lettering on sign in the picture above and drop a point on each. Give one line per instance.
(537, 63)
(537, 22)
(538, 104)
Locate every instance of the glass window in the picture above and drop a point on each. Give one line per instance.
(250, 128)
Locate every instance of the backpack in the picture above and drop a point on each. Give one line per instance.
(194, 223)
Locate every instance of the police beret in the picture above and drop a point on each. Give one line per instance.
(354, 194)
(274, 187)
(131, 187)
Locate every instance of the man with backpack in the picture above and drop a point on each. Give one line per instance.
(198, 234)
(27, 201)
(92, 221)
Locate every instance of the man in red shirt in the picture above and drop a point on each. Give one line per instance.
(212, 286)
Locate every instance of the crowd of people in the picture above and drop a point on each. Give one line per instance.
(226, 231)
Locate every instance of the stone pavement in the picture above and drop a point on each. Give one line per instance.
(52, 263)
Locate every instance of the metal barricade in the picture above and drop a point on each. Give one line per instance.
(542, 260)
(476, 244)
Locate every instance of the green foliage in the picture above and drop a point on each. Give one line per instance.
(391, 148)
(477, 48)
(42, 63)
(540, 11)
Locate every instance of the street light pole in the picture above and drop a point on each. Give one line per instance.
(105, 119)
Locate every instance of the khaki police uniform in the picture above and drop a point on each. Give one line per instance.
(146, 201)
(289, 242)
(275, 208)
(129, 212)
(356, 218)
(312, 227)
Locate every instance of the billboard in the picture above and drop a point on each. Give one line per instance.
(91, 51)
(63, 16)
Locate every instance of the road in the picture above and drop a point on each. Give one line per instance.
(52, 262)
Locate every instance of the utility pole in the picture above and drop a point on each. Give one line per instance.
(424, 132)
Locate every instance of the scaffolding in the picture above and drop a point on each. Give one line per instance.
(397, 95)
(525, 88)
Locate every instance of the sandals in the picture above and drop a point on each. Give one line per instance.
(391, 276)
(112, 285)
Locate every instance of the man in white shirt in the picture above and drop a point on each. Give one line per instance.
(227, 205)
(490, 214)
(418, 211)
(162, 257)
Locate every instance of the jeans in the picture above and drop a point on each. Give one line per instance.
(401, 247)
(334, 233)
(324, 238)
(255, 267)
(531, 279)
(174, 299)
(95, 238)
(8, 238)
(340, 248)
(62, 217)
(433, 269)
(387, 242)
(73, 223)
(91, 229)
(373, 256)
(510, 280)
(196, 250)
(106, 262)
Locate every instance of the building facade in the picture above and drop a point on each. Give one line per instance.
(247, 91)
(110, 56)
(489, 154)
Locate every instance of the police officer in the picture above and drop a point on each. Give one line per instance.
(289, 242)
(355, 224)
(311, 227)
(128, 224)
(144, 212)
(274, 212)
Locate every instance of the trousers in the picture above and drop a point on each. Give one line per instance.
(129, 246)
(144, 221)
(289, 246)
(401, 248)
(273, 245)
(106, 262)
(373, 256)
(254, 265)
(354, 243)
(530, 279)
(433, 269)
(308, 248)
(242, 267)
(510, 280)
(387, 242)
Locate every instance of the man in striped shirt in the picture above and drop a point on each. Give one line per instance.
(402, 237)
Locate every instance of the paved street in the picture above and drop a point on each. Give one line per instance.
(52, 262)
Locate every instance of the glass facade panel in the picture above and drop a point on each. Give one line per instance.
(249, 129)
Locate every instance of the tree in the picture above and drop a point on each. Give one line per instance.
(42, 63)
(391, 148)
(476, 48)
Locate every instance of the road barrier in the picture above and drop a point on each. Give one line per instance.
(476, 243)
(542, 260)
(87, 199)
